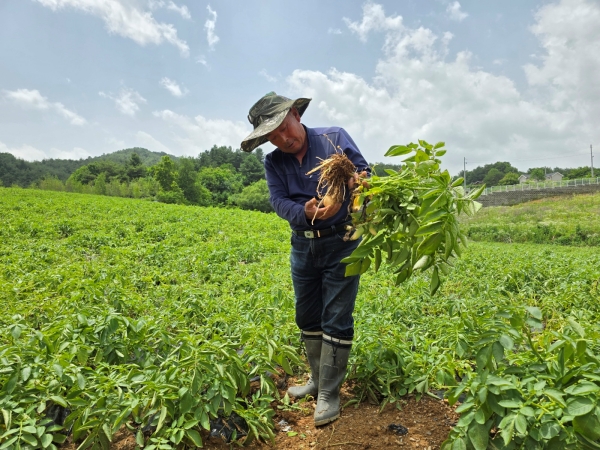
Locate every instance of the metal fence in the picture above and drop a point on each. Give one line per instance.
(541, 185)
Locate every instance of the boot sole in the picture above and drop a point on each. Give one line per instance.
(326, 421)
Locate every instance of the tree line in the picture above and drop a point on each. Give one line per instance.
(503, 173)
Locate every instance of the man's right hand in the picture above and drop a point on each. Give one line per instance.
(312, 211)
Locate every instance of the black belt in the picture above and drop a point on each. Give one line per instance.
(311, 234)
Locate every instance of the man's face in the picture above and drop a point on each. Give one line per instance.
(289, 136)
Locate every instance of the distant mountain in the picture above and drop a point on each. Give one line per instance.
(18, 171)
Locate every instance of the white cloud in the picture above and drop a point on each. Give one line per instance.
(183, 11)
(200, 133)
(209, 25)
(374, 19)
(419, 92)
(127, 101)
(125, 18)
(334, 31)
(26, 152)
(33, 99)
(202, 60)
(455, 13)
(269, 78)
(173, 87)
(498, 62)
(567, 75)
(147, 141)
(29, 153)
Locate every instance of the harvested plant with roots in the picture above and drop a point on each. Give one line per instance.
(335, 172)
(408, 218)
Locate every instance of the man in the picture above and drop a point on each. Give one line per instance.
(324, 296)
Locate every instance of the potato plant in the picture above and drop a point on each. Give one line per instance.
(154, 321)
(408, 219)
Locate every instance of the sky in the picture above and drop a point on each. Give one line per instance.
(516, 80)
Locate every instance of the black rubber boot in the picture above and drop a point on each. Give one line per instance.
(312, 342)
(334, 361)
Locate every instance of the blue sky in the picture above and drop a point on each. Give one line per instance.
(514, 80)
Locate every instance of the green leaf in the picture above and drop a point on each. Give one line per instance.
(576, 327)
(366, 263)
(588, 425)
(508, 431)
(439, 145)
(31, 440)
(422, 262)
(580, 406)
(521, 424)
(430, 245)
(59, 400)
(476, 193)
(479, 436)
(195, 437)
(459, 444)
(25, 373)
(506, 342)
(510, 404)
(429, 228)
(584, 387)
(12, 383)
(46, 440)
(185, 403)
(354, 268)
(80, 381)
(435, 282)
(548, 430)
(397, 150)
(161, 419)
(535, 312)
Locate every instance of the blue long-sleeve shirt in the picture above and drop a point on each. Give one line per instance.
(289, 185)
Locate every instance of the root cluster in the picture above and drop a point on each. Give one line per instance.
(335, 173)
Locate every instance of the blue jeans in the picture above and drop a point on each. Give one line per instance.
(324, 296)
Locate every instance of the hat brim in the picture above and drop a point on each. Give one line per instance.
(259, 135)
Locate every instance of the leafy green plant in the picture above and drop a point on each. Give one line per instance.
(409, 218)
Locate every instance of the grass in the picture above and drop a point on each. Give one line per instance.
(560, 220)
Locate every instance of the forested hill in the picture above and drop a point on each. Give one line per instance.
(17, 171)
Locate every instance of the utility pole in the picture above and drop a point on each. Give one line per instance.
(592, 160)
(465, 173)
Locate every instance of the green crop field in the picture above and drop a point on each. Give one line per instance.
(571, 220)
(127, 313)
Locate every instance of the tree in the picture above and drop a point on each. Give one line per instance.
(100, 184)
(221, 182)
(538, 174)
(480, 172)
(509, 178)
(135, 168)
(173, 195)
(251, 170)
(254, 197)
(493, 177)
(164, 172)
(186, 180)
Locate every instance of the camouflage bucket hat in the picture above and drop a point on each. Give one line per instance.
(267, 114)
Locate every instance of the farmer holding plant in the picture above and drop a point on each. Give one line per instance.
(324, 296)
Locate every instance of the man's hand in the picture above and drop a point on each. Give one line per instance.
(313, 212)
(355, 180)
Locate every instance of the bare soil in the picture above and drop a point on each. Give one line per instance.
(362, 426)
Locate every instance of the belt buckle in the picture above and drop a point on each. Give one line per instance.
(310, 234)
